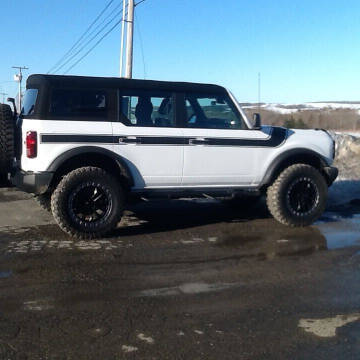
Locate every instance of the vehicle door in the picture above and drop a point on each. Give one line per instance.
(221, 150)
(147, 138)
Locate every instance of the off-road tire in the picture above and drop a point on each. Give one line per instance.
(61, 202)
(6, 139)
(278, 195)
(44, 200)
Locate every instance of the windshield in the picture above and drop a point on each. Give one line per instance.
(237, 104)
(29, 102)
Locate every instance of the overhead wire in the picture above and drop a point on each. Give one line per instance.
(84, 35)
(89, 41)
(81, 44)
(97, 27)
(93, 47)
(139, 2)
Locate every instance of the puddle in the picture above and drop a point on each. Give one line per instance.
(339, 230)
(38, 305)
(5, 274)
(335, 230)
(282, 241)
(186, 289)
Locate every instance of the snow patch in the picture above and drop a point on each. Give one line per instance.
(327, 327)
(199, 332)
(292, 108)
(129, 349)
(147, 339)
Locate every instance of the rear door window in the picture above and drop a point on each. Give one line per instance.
(147, 109)
(79, 104)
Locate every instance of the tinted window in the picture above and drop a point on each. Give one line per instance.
(147, 109)
(29, 102)
(79, 103)
(212, 112)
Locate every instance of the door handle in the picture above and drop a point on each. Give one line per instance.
(198, 141)
(129, 140)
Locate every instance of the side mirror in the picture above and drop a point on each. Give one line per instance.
(257, 121)
(12, 100)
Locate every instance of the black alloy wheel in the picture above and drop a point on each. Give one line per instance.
(302, 196)
(88, 203)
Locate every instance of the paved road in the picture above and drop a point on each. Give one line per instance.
(179, 280)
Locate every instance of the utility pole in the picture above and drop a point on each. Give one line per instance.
(18, 78)
(259, 91)
(129, 40)
(122, 38)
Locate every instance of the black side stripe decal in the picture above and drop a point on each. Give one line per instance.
(102, 139)
(162, 140)
(276, 138)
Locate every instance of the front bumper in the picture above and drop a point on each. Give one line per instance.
(331, 174)
(36, 183)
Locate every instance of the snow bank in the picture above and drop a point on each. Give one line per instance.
(292, 108)
(347, 160)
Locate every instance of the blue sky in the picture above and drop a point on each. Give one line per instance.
(305, 50)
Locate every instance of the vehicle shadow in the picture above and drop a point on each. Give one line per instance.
(4, 182)
(167, 215)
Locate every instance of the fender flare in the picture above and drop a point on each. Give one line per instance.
(68, 155)
(290, 157)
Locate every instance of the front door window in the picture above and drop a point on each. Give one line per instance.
(212, 112)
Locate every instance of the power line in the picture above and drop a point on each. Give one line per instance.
(83, 35)
(95, 45)
(138, 3)
(97, 27)
(89, 41)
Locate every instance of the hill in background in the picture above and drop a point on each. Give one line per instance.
(336, 115)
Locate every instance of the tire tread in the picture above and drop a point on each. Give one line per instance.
(273, 199)
(6, 139)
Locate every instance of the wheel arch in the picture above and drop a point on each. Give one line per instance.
(291, 157)
(91, 156)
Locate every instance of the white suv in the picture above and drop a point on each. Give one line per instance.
(84, 144)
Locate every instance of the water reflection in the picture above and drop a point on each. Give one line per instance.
(277, 242)
(5, 274)
(339, 230)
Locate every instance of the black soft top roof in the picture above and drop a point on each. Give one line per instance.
(108, 82)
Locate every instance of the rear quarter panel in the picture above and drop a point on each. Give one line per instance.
(48, 152)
